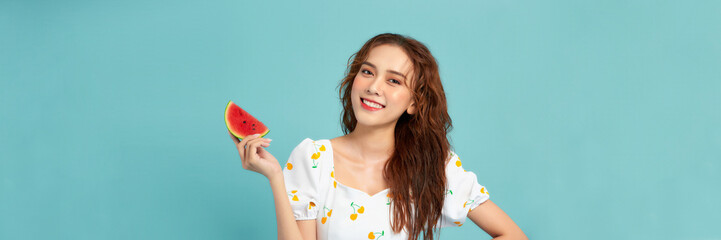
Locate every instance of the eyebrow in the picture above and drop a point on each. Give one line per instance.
(390, 71)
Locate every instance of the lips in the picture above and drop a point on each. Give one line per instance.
(372, 101)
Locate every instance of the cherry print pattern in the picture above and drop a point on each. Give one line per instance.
(372, 235)
(360, 210)
(324, 219)
(294, 197)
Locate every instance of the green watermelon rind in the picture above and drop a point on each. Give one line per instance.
(227, 124)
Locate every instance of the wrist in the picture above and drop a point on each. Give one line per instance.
(275, 176)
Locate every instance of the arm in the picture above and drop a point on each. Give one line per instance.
(288, 227)
(489, 217)
(255, 158)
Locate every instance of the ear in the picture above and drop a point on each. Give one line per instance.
(411, 109)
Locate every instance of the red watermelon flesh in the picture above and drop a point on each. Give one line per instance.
(241, 124)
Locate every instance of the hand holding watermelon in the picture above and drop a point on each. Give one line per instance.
(254, 157)
(251, 149)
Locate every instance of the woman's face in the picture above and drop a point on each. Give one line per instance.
(383, 78)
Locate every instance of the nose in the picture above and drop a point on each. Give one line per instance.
(376, 85)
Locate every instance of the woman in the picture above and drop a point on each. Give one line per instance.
(393, 175)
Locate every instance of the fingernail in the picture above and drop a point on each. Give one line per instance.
(269, 139)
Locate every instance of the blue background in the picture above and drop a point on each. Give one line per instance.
(585, 119)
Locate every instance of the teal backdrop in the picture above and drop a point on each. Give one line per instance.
(585, 119)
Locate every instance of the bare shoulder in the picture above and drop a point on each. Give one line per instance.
(338, 141)
(339, 147)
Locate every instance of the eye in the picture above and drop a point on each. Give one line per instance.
(364, 71)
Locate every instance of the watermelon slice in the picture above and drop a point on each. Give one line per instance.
(241, 124)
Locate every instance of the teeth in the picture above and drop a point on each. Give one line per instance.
(372, 104)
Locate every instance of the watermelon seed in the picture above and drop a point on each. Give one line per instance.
(243, 121)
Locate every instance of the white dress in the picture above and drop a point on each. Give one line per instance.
(342, 212)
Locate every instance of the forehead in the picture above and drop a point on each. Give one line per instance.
(389, 57)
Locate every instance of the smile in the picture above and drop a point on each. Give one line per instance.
(371, 105)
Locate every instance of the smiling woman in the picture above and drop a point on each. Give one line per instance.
(380, 84)
(393, 174)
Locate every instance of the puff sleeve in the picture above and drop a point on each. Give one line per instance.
(464, 193)
(302, 177)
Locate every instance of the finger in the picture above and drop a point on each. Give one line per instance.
(246, 146)
(242, 147)
(235, 139)
(262, 152)
(259, 141)
(256, 145)
(244, 142)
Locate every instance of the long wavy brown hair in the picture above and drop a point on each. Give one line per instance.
(415, 171)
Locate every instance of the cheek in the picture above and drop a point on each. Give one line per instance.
(402, 97)
(356, 89)
(358, 83)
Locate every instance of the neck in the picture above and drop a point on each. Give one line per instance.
(372, 143)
